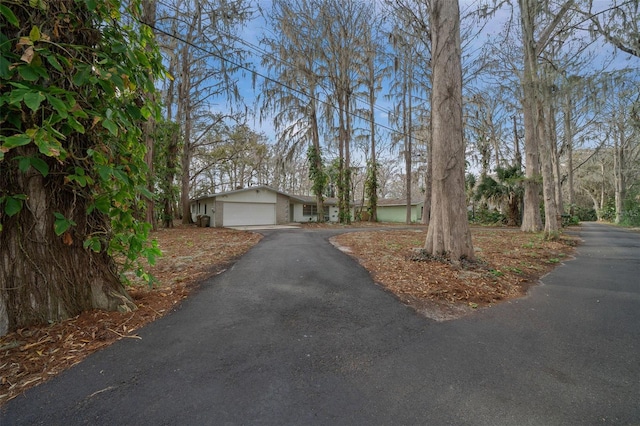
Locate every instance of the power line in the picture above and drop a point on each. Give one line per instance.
(275, 81)
(260, 51)
(263, 52)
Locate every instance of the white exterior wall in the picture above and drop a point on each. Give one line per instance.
(203, 207)
(299, 217)
(333, 213)
(250, 196)
(247, 214)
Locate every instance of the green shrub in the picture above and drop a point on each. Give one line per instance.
(487, 216)
(608, 212)
(631, 216)
(585, 214)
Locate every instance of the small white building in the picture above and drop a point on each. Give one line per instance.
(260, 205)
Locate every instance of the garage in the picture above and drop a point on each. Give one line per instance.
(247, 214)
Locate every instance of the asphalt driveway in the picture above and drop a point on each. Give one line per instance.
(296, 333)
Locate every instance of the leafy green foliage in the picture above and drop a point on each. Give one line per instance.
(631, 212)
(166, 167)
(371, 186)
(503, 189)
(9, 16)
(608, 212)
(12, 204)
(487, 216)
(72, 114)
(585, 213)
(62, 224)
(317, 174)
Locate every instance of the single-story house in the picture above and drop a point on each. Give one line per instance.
(304, 208)
(395, 210)
(259, 205)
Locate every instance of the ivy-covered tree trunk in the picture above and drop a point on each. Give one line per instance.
(168, 137)
(371, 187)
(45, 276)
(169, 197)
(149, 8)
(316, 166)
(72, 171)
(318, 177)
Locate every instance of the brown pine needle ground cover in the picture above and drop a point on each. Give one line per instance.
(31, 356)
(508, 262)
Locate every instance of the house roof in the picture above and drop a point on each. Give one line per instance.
(305, 199)
(236, 191)
(311, 199)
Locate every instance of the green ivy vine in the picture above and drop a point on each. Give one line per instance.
(76, 109)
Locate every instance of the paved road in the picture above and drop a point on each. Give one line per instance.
(296, 333)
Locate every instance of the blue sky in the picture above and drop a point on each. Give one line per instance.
(494, 29)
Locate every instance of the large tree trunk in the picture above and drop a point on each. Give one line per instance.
(513, 204)
(342, 178)
(531, 219)
(449, 228)
(549, 191)
(315, 136)
(347, 157)
(551, 216)
(172, 138)
(568, 140)
(185, 108)
(555, 154)
(596, 205)
(533, 99)
(169, 193)
(46, 277)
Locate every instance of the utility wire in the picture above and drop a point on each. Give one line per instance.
(260, 51)
(263, 52)
(273, 80)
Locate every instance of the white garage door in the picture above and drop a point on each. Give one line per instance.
(245, 214)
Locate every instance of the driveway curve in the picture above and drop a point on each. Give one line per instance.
(296, 333)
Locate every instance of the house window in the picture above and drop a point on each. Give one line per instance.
(310, 209)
